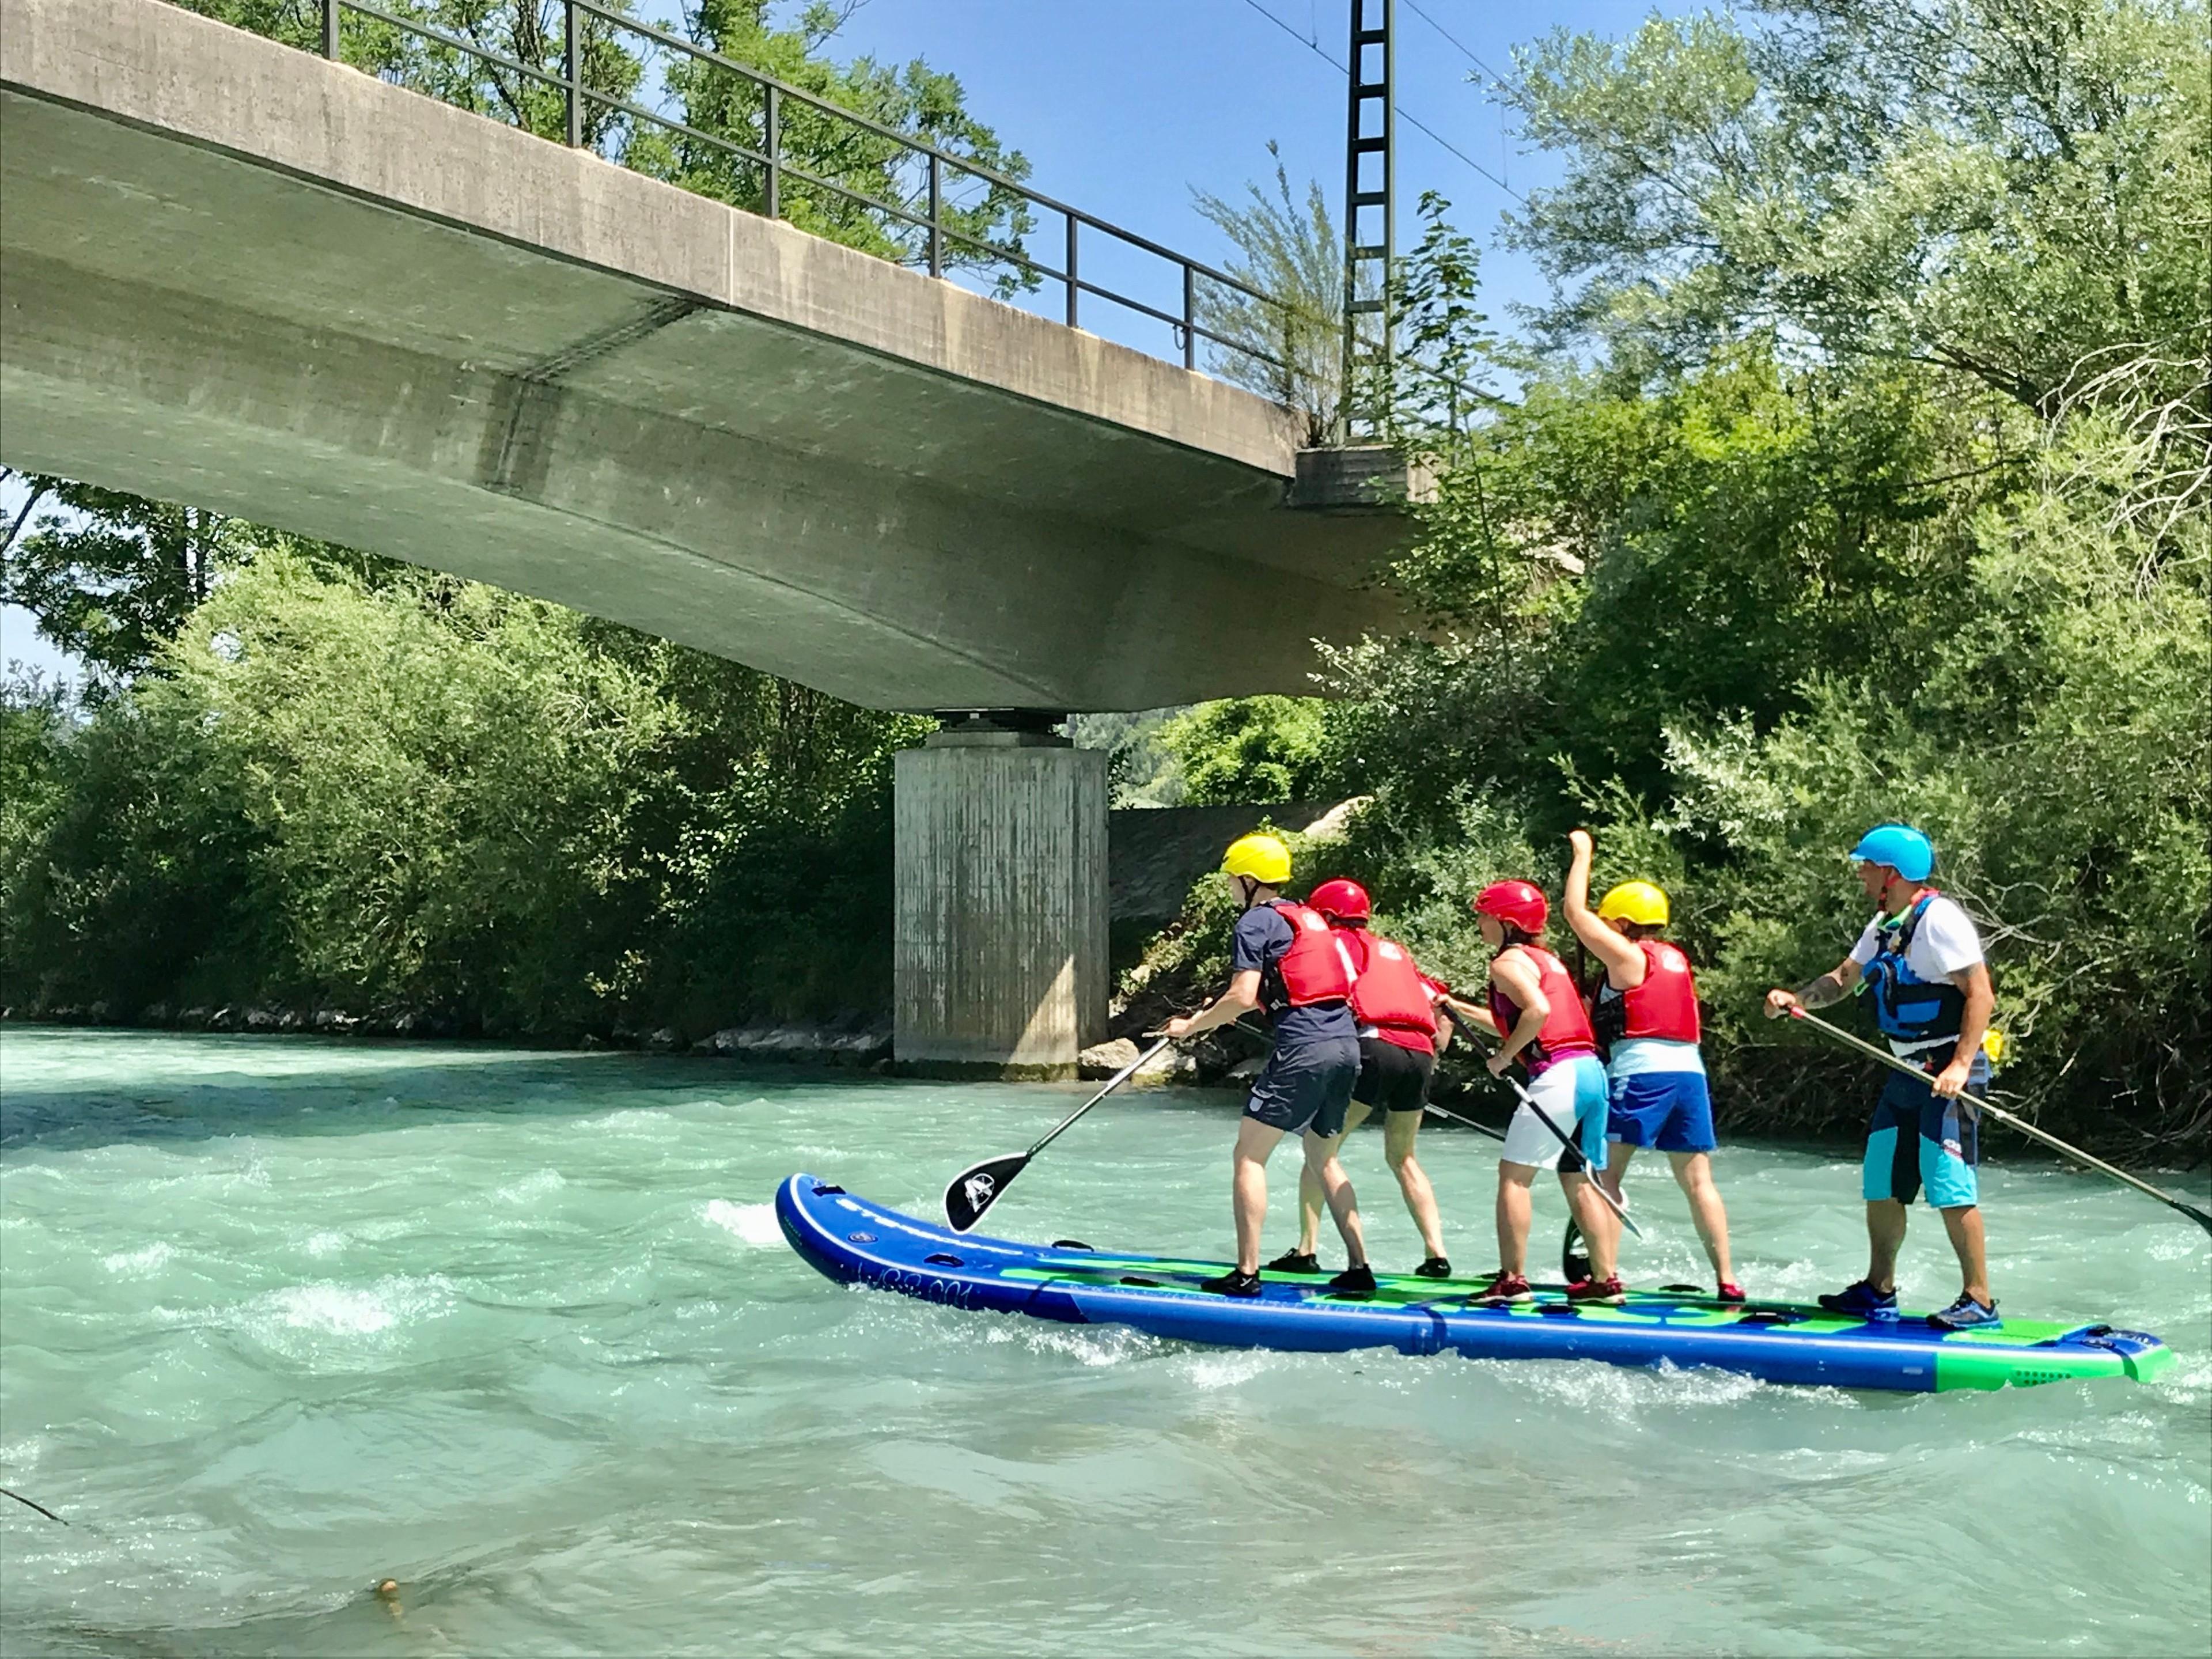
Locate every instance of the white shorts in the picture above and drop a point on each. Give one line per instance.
(1573, 1093)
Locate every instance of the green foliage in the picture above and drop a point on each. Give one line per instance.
(109, 577)
(1877, 484)
(2004, 188)
(1289, 251)
(830, 162)
(1257, 752)
(412, 792)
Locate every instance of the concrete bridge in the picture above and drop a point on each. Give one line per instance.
(236, 275)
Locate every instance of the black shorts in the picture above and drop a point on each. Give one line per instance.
(1307, 1087)
(1395, 1078)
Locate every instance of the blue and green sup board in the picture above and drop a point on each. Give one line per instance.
(852, 1241)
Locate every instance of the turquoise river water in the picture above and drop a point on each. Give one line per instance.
(284, 1317)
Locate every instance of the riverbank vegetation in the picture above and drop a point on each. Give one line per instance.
(1862, 469)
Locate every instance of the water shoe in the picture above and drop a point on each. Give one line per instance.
(1354, 1281)
(1294, 1261)
(1436, 1267)
(1731, 1293)
(1862, 1301)
(1967, 1314)
(1506, 1287)
(1232, 1283)
(1611, 1291)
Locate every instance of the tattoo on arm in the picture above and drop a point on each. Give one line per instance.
(1820, 993)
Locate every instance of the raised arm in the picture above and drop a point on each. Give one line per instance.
(1625, 966)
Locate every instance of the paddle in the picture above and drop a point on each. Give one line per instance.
(1545, 1118)
(1479, 1128)
(977, 1187)
(2010, 1121)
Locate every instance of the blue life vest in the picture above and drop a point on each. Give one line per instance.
(1907, 1007)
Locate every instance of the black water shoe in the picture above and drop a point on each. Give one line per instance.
(1436, 1267)
(1354, 1281)
(1295, 1261)
(1232, 1283)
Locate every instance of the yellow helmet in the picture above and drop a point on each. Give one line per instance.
(1263, 858)
(1638, 901)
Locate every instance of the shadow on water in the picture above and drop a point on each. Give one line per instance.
(197, 1088)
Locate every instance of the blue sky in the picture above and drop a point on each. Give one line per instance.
(1123, 106)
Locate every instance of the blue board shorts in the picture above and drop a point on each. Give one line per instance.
(1918, 1141)
(1671, 1111)
(1308, 1087)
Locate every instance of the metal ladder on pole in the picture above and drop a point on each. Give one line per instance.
(1370, 218)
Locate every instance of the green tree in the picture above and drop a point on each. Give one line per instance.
(2010, 190)
(1291, 351)
(842, 181)
(110, 577)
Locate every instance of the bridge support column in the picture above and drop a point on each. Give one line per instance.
(1000, 961)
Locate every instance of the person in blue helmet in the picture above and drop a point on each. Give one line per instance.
(1920, 960)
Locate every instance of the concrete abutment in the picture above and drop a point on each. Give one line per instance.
(1001, 966)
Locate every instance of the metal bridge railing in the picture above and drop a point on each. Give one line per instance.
(780, 171)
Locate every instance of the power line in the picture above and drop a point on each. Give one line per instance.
(1465, 51)
(1411, 119)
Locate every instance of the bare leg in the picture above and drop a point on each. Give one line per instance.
(1336, 1188)
(1616, 1165)
(1310, 1198)
(1513, 1211)
(1964, 1224)
(1601, 1227)
(1884, 1236)
(1693, 1172)
(1249, 1188)
(1399, 1129)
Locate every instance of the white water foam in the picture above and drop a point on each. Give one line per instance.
(137, 1264)
(752, 1224)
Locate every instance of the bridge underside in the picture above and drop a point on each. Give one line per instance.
(237, 275)
(234, 274)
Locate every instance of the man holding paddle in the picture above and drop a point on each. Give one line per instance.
(1921, 959)
(1285, 959)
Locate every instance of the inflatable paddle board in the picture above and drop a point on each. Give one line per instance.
(852, 1241)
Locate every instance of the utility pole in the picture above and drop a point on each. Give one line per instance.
(1370, 214)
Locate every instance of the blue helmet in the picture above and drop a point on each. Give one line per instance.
(1900, 847)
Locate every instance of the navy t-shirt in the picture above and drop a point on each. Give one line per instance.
(1262, 938)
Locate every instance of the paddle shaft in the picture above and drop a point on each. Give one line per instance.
(1112, 1083)
(2009, 1119)
(1557, 1134)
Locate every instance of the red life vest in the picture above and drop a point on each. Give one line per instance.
(1566, 1029)
(1317, 968)
(1664, 1005)
(1390, 994)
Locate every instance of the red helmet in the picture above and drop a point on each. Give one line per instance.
(1342, 900)
(1519, 903)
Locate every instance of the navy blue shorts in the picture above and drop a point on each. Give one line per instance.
(1307, 1087)
(1919, 1140)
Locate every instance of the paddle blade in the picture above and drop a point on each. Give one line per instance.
(1574, 1264)
(2195, 1214)
(976, 1188)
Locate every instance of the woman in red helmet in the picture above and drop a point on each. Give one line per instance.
(1394, 1004)
(1539, 1021)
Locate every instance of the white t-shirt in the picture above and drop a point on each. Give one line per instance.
(1943, 943)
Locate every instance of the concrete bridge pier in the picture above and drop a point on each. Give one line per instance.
(1000, 958)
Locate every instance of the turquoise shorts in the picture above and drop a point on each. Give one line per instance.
(1919, 1142)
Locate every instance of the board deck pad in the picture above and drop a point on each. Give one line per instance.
(850, 1240)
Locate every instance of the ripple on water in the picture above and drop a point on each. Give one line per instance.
(514, 1343)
